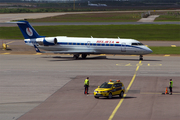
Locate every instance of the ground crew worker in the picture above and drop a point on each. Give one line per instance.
(86, 85)
(170, 86)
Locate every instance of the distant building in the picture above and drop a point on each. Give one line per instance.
(96, 5)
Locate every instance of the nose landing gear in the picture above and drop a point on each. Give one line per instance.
(141, 57)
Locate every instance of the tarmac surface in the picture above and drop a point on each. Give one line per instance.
(150, 18)
(43, 87)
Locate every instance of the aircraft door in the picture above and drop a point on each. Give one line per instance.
(123, 47)
(88, 43)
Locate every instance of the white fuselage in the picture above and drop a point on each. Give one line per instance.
(91, 45)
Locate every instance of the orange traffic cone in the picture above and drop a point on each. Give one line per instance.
(166, 92)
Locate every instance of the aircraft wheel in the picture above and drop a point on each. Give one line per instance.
(121, 94)
(110, 95)
(76, 56)
(140, 57)
(84, 56)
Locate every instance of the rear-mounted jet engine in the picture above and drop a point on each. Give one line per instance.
(48, 41)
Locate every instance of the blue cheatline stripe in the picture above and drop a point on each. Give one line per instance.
(90, 44)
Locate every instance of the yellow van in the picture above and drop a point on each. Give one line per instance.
(109, 89)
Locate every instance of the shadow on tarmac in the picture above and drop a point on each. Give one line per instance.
(114, 97)
(59, 58)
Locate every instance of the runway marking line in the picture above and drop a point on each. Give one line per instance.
(129, 64)
(173, 45)
(120, 102)
(5, 53)
(38, 54)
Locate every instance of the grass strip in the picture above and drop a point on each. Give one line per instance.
(165, 50)
(92, 17)
(139, 32)
(169, 16)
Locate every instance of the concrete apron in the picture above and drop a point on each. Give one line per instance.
(151, 18)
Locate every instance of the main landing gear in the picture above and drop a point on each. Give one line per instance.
(76, 56)
(141, 57)
(84, 56)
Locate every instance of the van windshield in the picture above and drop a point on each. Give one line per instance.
(105, 85)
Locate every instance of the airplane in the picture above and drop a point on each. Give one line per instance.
(96, 5)
(80, 45)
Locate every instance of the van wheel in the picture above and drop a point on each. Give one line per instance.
(96, 97)
(110, 95)
(121, 94)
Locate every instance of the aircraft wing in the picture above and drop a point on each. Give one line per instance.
(71, 52)
(67, 52)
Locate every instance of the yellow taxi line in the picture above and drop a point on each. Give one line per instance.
(120, 102)
(38, 54)
(5, 53)
(10, 42)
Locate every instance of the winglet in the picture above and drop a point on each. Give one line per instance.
(37, 50)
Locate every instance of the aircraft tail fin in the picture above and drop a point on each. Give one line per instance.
(27, 30)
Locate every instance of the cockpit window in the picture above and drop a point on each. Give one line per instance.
(136, 44)
(140, 43)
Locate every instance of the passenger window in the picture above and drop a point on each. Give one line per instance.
(94, 44)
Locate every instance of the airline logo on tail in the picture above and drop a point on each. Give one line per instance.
(29, 31)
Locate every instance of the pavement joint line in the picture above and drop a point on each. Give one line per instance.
(122, 99)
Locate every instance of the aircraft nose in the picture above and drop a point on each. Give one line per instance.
(148, 51)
